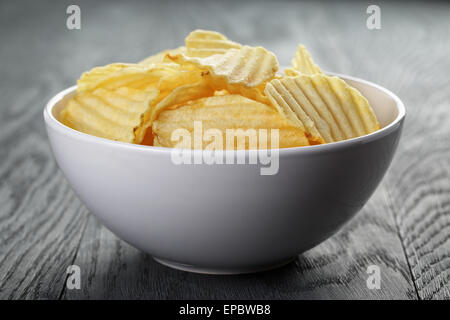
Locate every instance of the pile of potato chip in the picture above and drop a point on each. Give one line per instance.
(223, 84)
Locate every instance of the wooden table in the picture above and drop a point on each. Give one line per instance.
(404, 228)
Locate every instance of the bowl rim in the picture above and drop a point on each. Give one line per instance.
(58, 126)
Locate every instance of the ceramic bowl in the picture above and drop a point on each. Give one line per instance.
(226, 219)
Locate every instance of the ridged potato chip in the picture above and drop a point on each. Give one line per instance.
(242, 71)
(204, 43)
(325, 107)
(302, 63)
(222, 112)
(118, 75)
(247, 66)
(180, 95)
(223, 83)
(141, 81)
(113, 114)
(159, 57)
(291, 72)
(164, 76)
(184, 75)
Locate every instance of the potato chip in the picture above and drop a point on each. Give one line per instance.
(138, 80)
(119, 75)
(222, 112)
(180, 95)
(302, 63)
(113, 114)
(291, 72)
(325, 107)
(248, 66)
(156, 142)
(159, 57)
(204, 43)
(242, 71)
(184, 75)
(223, 83)
(256, 93)
(165, 76)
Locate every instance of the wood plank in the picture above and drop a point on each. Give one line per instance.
(419, 195)
(41, 220)
(418, 184)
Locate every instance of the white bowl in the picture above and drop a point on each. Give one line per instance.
(226, 218)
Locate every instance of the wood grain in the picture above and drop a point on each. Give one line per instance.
(418, 188)
(404, 228)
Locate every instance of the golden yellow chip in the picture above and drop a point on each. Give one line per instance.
(156, 143)
(248, 66)
(204, 43)
(113, 114)
(164, 76)
(234, 115)
(223, 85)
(179, 95)
(302, 63)
(184, 75)
(159, 57)
(119, 75)
(242, 71)
(291, 72)
(325, 107)
(135, 82)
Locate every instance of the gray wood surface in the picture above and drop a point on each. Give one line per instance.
(404, 228)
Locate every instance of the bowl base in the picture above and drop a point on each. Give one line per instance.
(219, 271)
